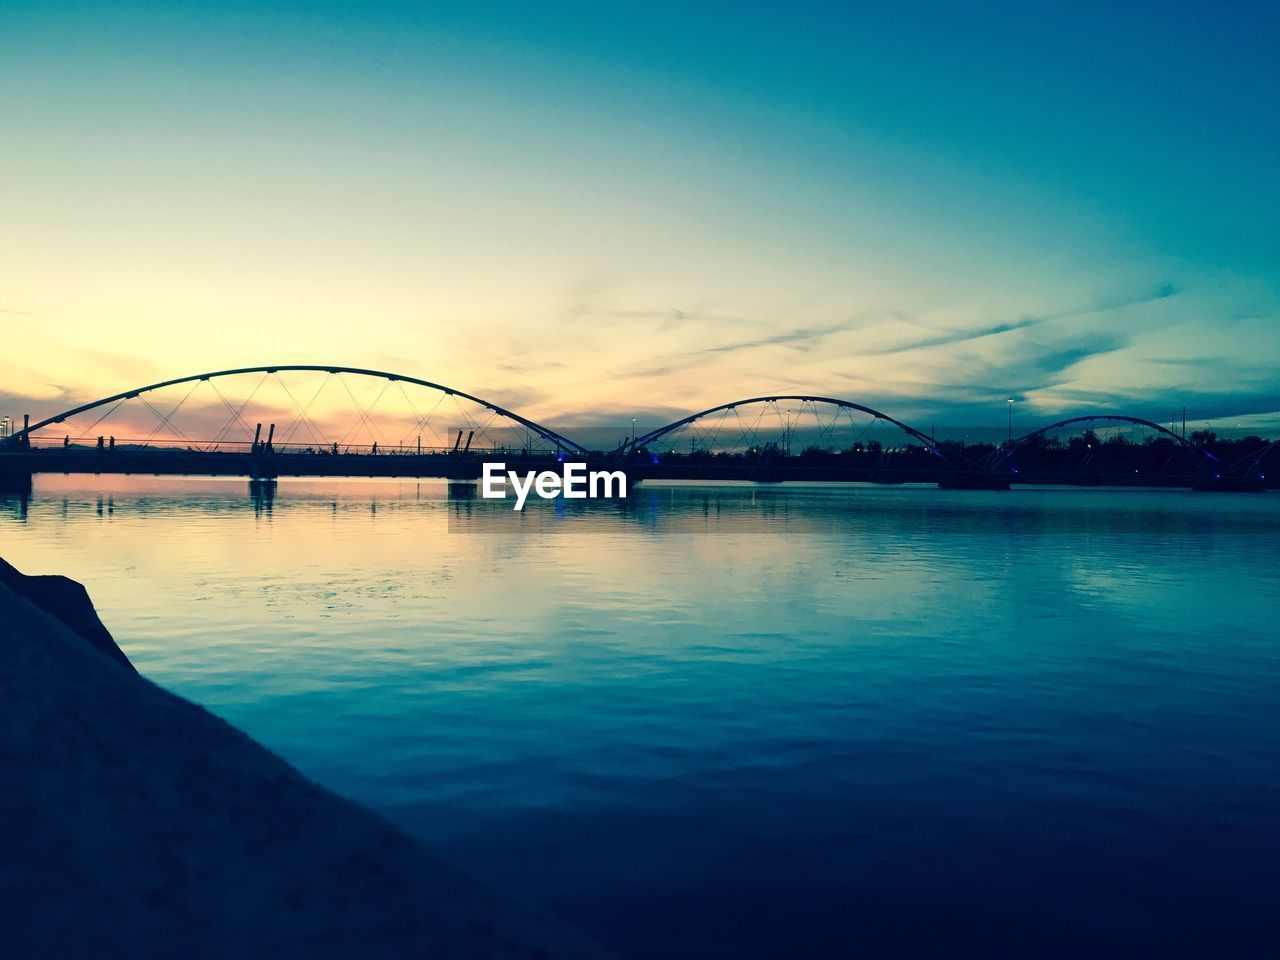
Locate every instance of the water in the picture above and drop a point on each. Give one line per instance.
(745, 721)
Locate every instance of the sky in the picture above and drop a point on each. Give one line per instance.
(592, 212)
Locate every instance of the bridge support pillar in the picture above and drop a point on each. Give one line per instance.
(15, 480)
(262, 469)
(463, 470)
(462, 490)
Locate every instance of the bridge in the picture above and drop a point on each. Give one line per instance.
(314, 420)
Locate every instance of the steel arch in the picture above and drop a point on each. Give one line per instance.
(562, 443)
(1204, 458)
(640, 442)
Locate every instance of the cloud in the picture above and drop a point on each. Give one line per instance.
(802, 338)
(1201, 404)
(1236, 368)
(516, 399)
(58, 398)
(584, 308)
(947, 339)
(1030, 367)
(523, 369)
(803, 335)
(969, 405)
(1031, 364)
(668, 318)
(1163, 292)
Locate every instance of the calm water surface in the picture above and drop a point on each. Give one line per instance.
(745, 721)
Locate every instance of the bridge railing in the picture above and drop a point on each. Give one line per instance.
(136, 445)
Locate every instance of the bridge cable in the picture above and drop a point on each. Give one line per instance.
(364, 417)
(302, 417)
(471, 422)
(93, 426)
(236, 413)
(749, 435)
(302, 411)
(421, 423)
(161, 419)
(418, 421)
(368, 414)
(164, 420)
(482, 429)
(826, 435)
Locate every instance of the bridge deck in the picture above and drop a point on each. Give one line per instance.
(459, 467)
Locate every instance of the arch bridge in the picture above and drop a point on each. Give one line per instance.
(389, 424)
(1003, 458)
(152, 416)
(805, 422)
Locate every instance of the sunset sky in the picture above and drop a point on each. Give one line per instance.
(593, 212)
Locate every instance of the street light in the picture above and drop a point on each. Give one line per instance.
(1010, 406)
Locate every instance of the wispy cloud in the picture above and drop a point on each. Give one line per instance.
(948, 338)
(801, 338)
(667, 318)
(523, 369)
(958, 336)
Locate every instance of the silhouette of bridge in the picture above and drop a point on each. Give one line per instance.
(317, 420)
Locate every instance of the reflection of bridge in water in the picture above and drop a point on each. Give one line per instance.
(312, 420)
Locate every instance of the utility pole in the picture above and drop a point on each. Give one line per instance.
(1184, 423)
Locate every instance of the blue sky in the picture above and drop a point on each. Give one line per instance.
(594, 211)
